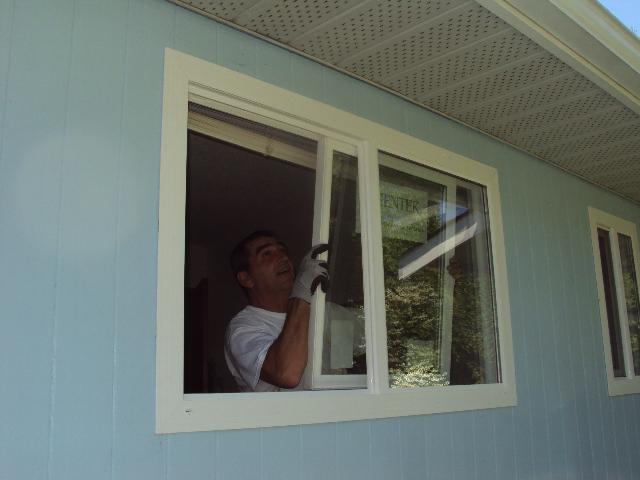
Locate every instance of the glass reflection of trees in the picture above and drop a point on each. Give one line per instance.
(415, 310)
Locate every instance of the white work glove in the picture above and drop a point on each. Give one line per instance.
(312, 272)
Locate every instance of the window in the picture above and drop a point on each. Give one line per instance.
(416, 317)
(615, 251)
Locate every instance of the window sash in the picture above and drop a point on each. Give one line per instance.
(314, 379)
(450, 184)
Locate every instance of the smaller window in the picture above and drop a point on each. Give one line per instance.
(615, 249)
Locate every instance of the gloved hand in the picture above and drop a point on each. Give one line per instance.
(312, 272)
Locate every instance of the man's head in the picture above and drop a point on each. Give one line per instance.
(262, 267)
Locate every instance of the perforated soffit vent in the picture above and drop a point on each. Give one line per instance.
(459, 59)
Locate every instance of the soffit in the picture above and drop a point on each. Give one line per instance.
(540, 92)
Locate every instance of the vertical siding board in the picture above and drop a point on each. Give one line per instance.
(505, 424)
(385, 449)
(367, 102)
(196, 35)
(412, 448)
(634, 433)
(34, 87)
(634, 427)
(534, 259)
(440, 446)
(582, 442)
(236, 50)
(191, 455)
(520, 311)
(633, 445)
(549, 286)
(393, 110)
(564, 345)
(445, 133)
(85, 312)
(137, 451)
(622, 415)
(505, 441)
(353, 446)
(239, 454)
(462, 455)
(281, 453)
(274, 65)
(318, 448)
(339, 90)
(7, 10)
(417, 125)
(307, 78)
(576, 333)
(484, 444)
(596, 363)
(585, 292)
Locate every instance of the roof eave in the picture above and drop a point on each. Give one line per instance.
(585, 36)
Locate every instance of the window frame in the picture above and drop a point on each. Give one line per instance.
(188, 78)
(598, 219)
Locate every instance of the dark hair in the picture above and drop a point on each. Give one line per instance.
(239, 257)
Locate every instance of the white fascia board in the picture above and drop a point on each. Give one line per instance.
(583, 35)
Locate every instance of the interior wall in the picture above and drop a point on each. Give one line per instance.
(80, 125)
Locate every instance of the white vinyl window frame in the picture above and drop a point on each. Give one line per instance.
(630, 382)
(190, 79)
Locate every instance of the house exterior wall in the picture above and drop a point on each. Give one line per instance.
(80, 120)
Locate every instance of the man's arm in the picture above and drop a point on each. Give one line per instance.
(287, 356)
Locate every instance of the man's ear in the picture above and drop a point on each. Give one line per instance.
(245, 279)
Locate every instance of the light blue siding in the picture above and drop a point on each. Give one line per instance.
(80, 125)
(137, 452)
(32, 148)
(318, 451)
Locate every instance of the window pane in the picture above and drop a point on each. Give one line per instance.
(613, 320)
(630, 283)
(344, 345)
(441, 321)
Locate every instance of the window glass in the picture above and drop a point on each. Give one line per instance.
(344, 347)
(272, 175)
(613, 320)
(630, 285)
(441, 320)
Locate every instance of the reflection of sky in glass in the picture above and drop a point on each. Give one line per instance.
(627, 11)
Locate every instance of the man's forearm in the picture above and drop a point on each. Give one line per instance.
(287, 357)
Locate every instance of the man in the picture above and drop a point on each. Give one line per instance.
(266, 343)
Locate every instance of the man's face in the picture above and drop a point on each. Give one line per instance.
(270, 269)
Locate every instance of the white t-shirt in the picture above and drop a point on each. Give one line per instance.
(249, 336)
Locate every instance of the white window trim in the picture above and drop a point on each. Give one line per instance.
(186, 78)
(630, 383)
